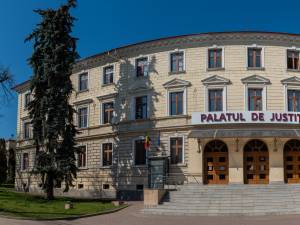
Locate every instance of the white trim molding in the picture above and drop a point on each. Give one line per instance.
(262, 57)
(176, 85)
(88, 115)
(259, 82)
(291, 83)
(170, 61)
(176, 135)
(215, 82)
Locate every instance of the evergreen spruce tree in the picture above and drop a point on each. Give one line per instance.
(11, 170)
(3, 162)
(50, 112)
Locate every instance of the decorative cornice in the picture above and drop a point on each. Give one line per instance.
(108, 96)
(82, 102)
(216, 80)
(22, 87)
(255, 79)
(291, 81)
(175, 83)
(192, 40)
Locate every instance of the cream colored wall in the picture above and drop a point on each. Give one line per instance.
(196, 70)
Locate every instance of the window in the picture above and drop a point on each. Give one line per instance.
(293, 59)
(27, 100)
(176, 150)
(293, 100)
(83, 117)
(25, 161)
(254, 57)
(255, 101)
(140, 152)
(83, 82)
(141, 107)
(81, 157)
(215, 101)
(108, 110)
(215, 58)
(177, 62)
(176, 103)
(107, 154)
(27, 133)
(142, 67)
(108, 75)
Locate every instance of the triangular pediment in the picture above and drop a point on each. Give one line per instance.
(255, 79)
(291, 81)
(215, 80)
(176, 83)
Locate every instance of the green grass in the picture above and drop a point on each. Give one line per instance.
(36, 207)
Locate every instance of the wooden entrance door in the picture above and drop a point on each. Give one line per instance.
(256, 163)
(215, 163)
(292, 162)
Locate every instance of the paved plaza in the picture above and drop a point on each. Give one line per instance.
(133, 216)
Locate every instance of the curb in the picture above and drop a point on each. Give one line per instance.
(65, 218)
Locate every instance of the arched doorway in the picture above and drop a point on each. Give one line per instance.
(292, 161)
(215, 163)
(256, 162)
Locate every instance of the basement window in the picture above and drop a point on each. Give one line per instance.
(105, 186)
(80, 186)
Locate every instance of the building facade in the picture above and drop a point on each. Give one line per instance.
(223, 106)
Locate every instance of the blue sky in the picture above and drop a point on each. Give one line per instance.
(106, 24)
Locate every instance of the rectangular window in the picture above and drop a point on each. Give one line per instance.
(215, 100)
(141, 107)
(81, 157)
(27, 133)
(107, 154)
(108, 110)
(27, 100)
(254, 57)
(176, 150)
(82, 117)
(293, 59)
(25, 161)
(215, 58)
(176, 103)
(142, 67)
(293, 100)
(177, 62)
(140, 152)
(83, 82)
(255, 101)
(108, 75)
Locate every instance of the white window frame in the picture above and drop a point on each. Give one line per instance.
(262, 56)
(135, 64)
(88, 115)
(133, 151)
(30, 130)
(183, 147)
(285, 95)
(101, 154)
(22, 161)
(24, 98)
(102, 112)
(114, 73)
(88, 81)
(86, 156)
(223, 57)
(133, 102)
(184, 60)
(172, 90)
(224, 95)
(293, 48)
(264, 95)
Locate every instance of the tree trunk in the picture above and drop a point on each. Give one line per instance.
(50, 187)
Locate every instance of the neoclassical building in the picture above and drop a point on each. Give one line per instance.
(223, 106)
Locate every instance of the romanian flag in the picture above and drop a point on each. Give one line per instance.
(147, 142)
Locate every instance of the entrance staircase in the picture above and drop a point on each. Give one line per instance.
(212, 200)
